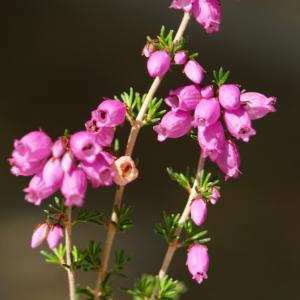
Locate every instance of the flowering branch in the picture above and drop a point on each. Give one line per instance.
(137, 125)
(183, 218)
(70, 271)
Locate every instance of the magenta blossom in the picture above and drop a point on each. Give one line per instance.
(37, 190)
(20, 167)
(74, 187)
(239, 124)
(229, 160)
(184, 98)
(194, 71)
(198, 262)
(257, 105)
(181, 57)
(110, 113)
(215, 195)
(185, 5)
(39, 235)
(207, 112)
(100, 172)
(211, 140)
(199, 211)
(53, 173)
(207, 92)
(58, 148)
(83, 145)
(55, 236)
(68, 162)
(159, 63)
(104, 135)
(174, 125)
(229, 96)
(208, 14)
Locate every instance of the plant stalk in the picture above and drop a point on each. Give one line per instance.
(184, 217)
(137, 125)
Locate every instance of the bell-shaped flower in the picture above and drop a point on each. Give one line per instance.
(198, 262)
(193, 71)
(55, 235)
(74, 187)
(158, 63)
(257, 105)
(239, 124)
(68, 162)
(173, 125)
(53, 173)
(198, 211)
(110, 113)
(125, 170)
(39, 235)
(207, 112)
(185, 5)
(181, 57)
(229, 96)
(207, 92)
(58, 148)
(211, 140)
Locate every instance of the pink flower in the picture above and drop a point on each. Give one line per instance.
(185, 5)
(194, 71)
(207, 92)
(148, 49)
(104, 135)
(159, 63)
(208, 14)
(211, 140)
(125, 170)
(110, 113)
(229, 160)
(199, 211)
(215, 195)
(100, 172)
(207, 112)
(68, 162)
(181, 57)
(257, 105)
(229, 96)
(37, 190)
(53, 173)
(58, 148)
(239, 124)
(198, 262)
(83, 145)
(74, 187)
(55, 235)
(184, 98)
(30, 153)
(173, 125)
(39, 235)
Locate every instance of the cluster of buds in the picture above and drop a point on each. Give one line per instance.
(72, 160)
(202, 107)
(206, 12)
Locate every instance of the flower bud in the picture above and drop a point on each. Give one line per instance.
(229, 96)
(110, 113)
(199, 211)
(125, 170)
(207, 112)
(184, 98)
(194, 71)
(53, 173)
(174, 125)
(257, 105)
(37, 190)
(207, 92)
(215, 195)
(55, 235)
(239, 124)
(158, 63)
(74, 187)
(229, 160)
(58, 148)
(181, 57)
(148, 49)
(211, 140)
(84, 146)
(39, 235)
(208, 14)
(198, 262)
(68, 162)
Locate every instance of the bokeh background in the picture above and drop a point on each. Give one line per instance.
(58, 58)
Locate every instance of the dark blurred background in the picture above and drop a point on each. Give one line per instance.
(58, 58)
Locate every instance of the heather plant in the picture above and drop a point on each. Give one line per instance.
(214, 112)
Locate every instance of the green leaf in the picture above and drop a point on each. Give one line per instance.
(123, 213)
(168, 228)
(84, 216)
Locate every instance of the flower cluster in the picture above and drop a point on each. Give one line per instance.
(206, 12)
(72, 160)
(207, 109)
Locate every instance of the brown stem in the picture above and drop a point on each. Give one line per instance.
(137, 125)
(184, 216)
